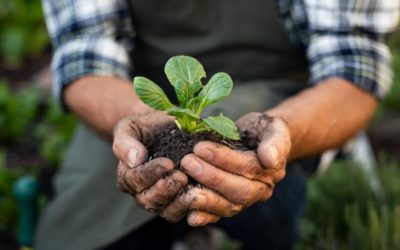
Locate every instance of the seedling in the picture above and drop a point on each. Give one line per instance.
(185, 74)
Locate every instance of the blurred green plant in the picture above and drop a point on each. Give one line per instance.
(8, 207)
(22, 31)
(54, 132)
(343, 212)
(17, 111)
(31, 125)
(29, 116)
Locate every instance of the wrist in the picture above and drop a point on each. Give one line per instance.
(101, 101)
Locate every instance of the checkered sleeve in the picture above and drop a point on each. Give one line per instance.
(347, 39)
(90, 37)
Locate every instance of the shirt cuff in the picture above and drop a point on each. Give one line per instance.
(361, 60)
(87, 56)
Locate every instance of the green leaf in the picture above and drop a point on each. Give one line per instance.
(183, 92)
(185, 74)
(151, 94)
(182, 113)
(192, 104)
(219, 86)
(223, 125)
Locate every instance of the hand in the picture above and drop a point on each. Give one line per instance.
(233, 179)
(153, 184)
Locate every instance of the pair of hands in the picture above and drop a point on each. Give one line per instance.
(232, 179)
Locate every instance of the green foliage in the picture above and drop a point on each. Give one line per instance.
(185, 74)
(343, 212)
(54, 133)
(222, 125)
(8, 206)
(32, 124)
(151, 94)
(22, 30)
(219, 86)
(28, 117)
(16, 112)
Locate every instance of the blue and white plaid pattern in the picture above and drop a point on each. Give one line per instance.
(342, 38)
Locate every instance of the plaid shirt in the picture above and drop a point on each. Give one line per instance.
(342, 39)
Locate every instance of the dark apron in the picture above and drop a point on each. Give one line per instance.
(243, 38)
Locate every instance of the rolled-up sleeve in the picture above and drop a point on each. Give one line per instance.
(347, 39)
(90, 37)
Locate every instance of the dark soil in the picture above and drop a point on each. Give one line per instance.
(173, 143)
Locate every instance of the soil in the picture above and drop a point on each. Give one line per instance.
(173, 143)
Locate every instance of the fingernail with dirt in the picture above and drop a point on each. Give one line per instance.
(132, 157)
(160, 171)
(273, 154)
(193, 167)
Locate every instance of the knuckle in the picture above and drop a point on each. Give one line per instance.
(177, 180)
(161, 162)
(233, 210)
(251, 167)
(279, 175)
(266, 195)
(186, 199)
(150, 202)
(121, 183)
(116, 147)
(214, 180)
(160, 187)
(246, 196)
(135, 179)
(141, 200)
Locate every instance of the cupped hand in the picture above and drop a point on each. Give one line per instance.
(153, 184)
(233, 179)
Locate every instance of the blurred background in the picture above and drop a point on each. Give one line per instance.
(350, 206)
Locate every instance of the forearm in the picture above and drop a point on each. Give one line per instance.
(324, 116)
(101, 101)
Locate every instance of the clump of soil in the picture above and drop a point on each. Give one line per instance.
(174, 144)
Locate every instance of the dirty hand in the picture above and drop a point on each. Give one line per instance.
(233, 179)
(153, 184)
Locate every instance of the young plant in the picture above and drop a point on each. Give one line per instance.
(185, 74)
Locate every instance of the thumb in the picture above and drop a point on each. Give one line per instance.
(273, 151)
(126, 144)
